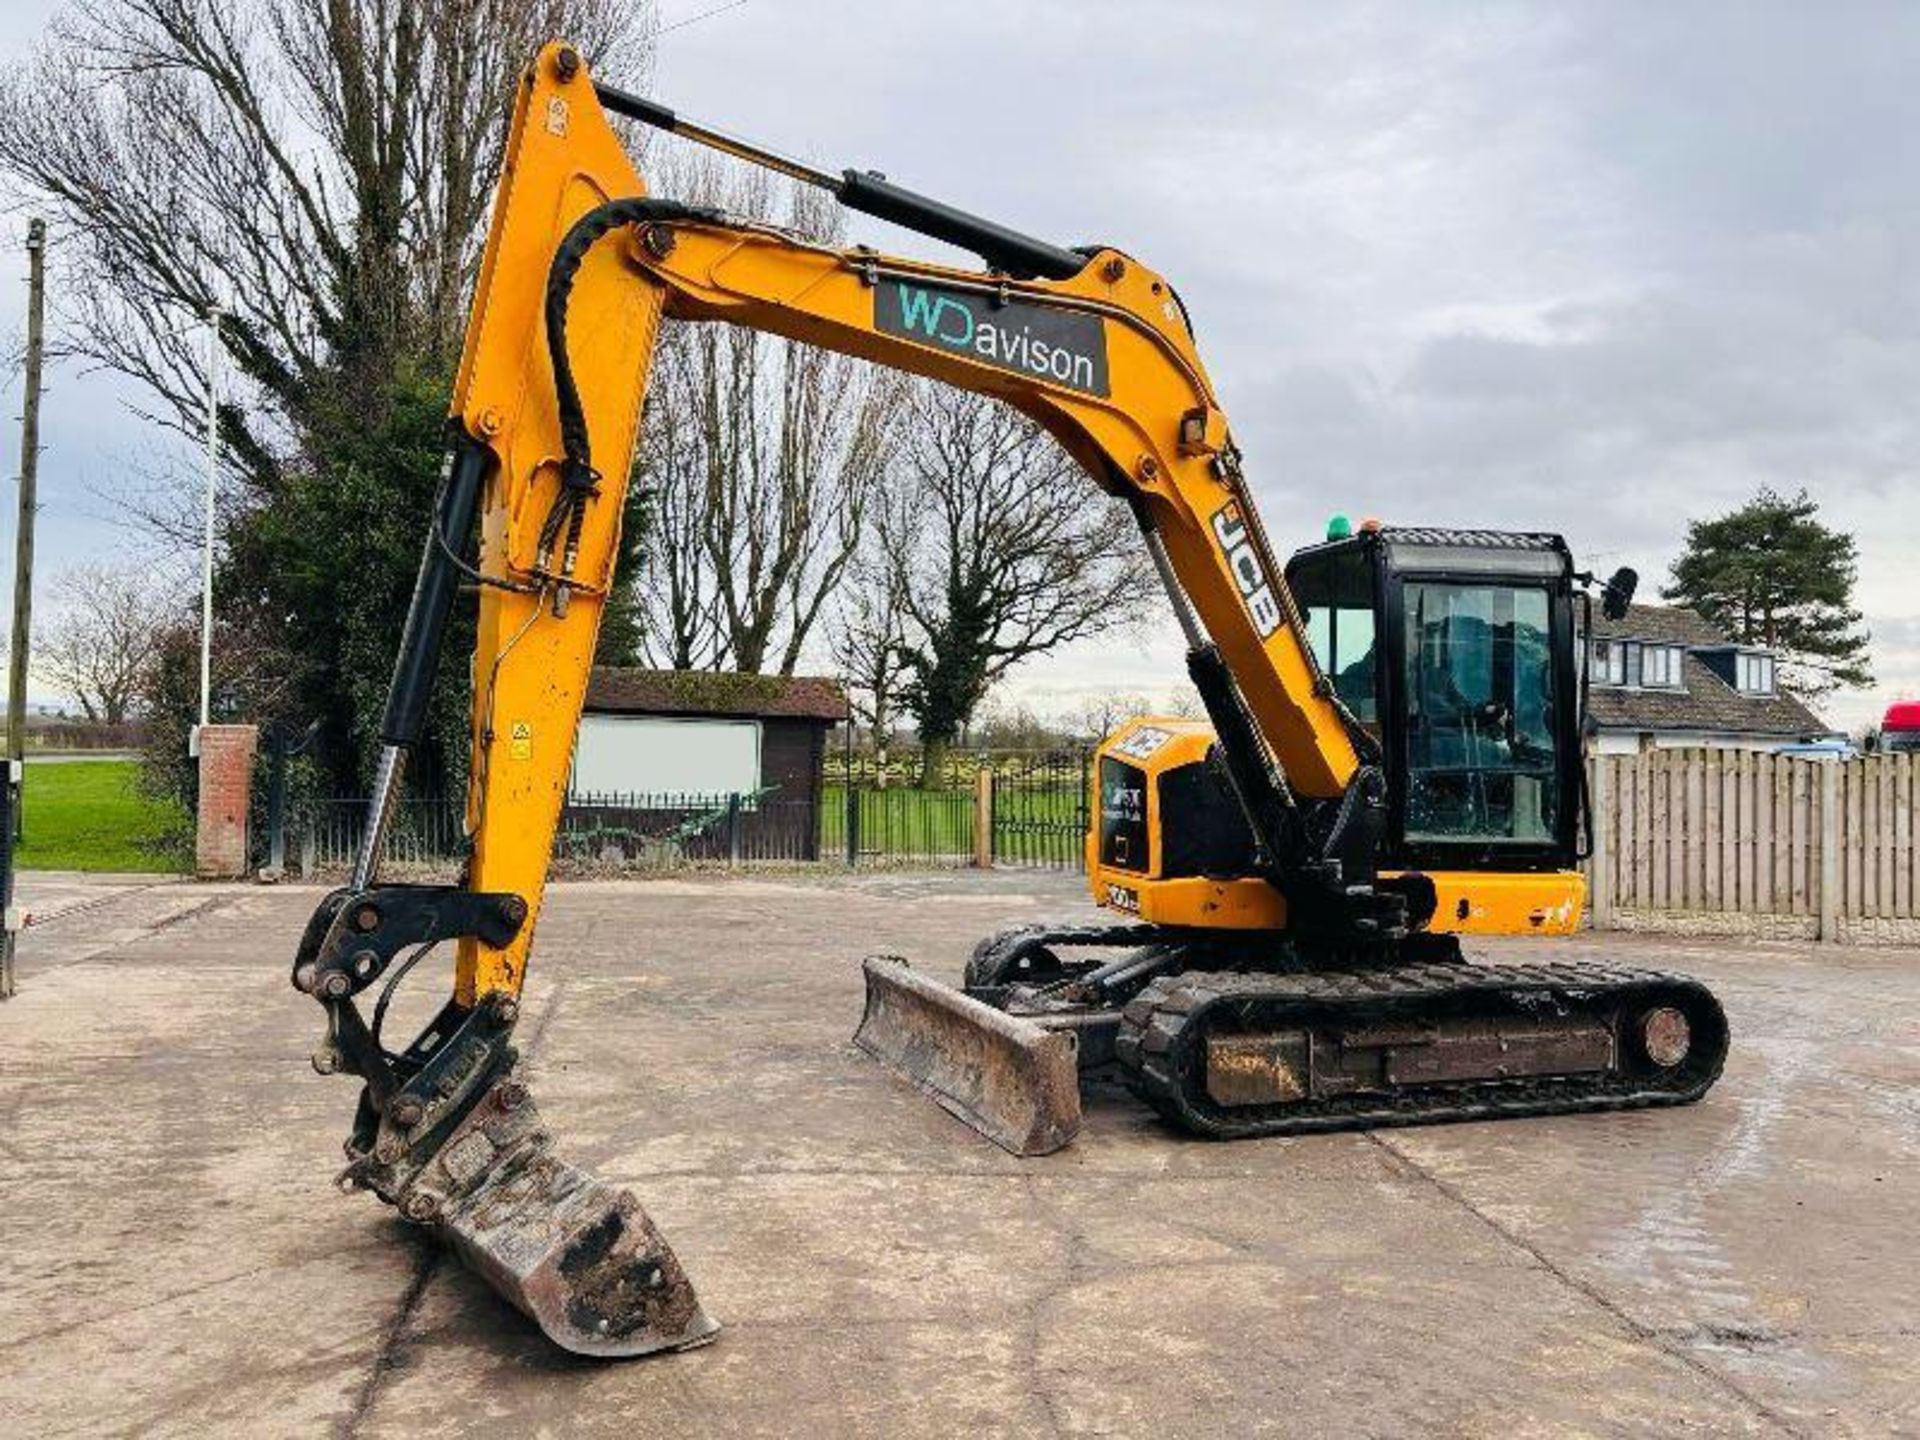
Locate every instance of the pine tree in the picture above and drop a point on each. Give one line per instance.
(1770, 574)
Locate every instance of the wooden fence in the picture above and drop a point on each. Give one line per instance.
(1732, 842)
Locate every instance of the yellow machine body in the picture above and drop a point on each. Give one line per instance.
(1470, 902)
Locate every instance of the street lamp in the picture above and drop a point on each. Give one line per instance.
(212, 321)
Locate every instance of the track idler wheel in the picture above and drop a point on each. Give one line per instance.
(1665, 1036)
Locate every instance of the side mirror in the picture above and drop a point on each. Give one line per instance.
(1618, 594)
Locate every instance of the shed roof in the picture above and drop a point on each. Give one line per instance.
(626, 690)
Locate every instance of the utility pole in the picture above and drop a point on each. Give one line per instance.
(213, 473)
(22, 591)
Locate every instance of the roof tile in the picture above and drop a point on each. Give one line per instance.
(1672, 624)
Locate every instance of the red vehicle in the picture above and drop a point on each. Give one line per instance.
(1901, 728)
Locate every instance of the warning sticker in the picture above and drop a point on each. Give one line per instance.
(520, 741)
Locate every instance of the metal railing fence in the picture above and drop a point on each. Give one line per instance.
(1027, 811)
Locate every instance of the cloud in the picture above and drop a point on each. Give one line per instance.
(1592, 267)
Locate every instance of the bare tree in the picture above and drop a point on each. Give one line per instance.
(1183, 703)
(762, 459)
(1004, 551)
(1100, 714)
(1003, 725)
(868, 643)
(675, 592)
(317, 169)
(104, 637)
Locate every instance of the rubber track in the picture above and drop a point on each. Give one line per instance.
(1172, 1011)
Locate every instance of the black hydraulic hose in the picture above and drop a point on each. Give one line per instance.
(578, 476)
(458, 501)
(386, 994)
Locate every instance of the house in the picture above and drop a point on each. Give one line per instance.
(1663, 676)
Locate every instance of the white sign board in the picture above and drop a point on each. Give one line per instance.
(650, 755)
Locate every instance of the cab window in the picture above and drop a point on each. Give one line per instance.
(1480, 713)
(1335, 595)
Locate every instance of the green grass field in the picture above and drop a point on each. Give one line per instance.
(908, 823)
(90, 815)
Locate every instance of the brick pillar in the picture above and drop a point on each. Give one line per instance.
(226, 785)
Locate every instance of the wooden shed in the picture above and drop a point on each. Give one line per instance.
(688, 737)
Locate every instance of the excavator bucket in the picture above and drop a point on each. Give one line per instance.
(577, 1256)
(1015, 1082)
(447, 1133)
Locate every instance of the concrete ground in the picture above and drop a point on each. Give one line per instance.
(174, 1261)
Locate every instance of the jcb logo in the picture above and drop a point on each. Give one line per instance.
(1230, 529)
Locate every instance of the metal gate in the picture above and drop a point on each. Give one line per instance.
(1040, 809)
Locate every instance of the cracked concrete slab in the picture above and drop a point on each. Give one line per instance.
(175, 1261)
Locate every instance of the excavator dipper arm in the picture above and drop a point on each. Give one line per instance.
(579, 269)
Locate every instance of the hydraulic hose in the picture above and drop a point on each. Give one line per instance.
(578, 477)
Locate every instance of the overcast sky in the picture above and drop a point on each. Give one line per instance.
(1590, 268)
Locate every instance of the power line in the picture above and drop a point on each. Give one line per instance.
(703, 15)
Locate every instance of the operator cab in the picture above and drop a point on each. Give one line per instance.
(1455, 650)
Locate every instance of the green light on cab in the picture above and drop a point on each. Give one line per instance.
(1339, 528)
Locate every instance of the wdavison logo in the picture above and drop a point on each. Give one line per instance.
(1230, 529)
(1028, 339)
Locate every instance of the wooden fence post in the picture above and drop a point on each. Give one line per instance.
(1830, 899)
(1600, 804)
(983, 819)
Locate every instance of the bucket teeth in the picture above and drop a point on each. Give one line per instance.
(578, 1256)
(1015, 1082)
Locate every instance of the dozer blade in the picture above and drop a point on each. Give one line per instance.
(576, 1255)
(1015, 1082)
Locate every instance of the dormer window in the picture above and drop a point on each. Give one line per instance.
(1609, 662)
(1755, 672)
(1637, 664)
(1660, 666)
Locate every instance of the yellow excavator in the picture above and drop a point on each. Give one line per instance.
(1391, 759)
